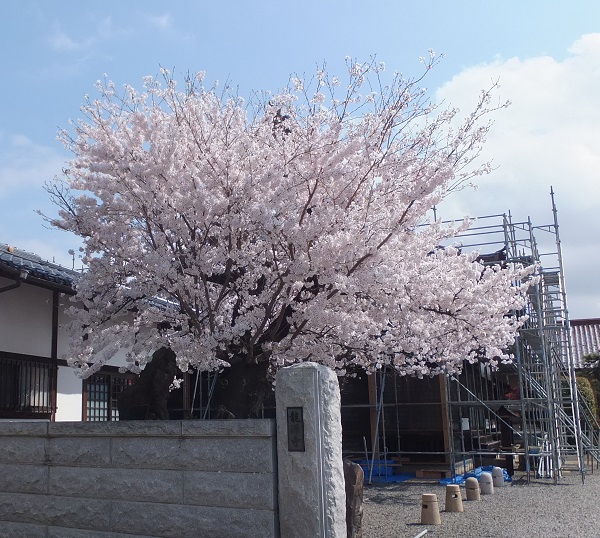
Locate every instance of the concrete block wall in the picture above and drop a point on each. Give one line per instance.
(178, 479)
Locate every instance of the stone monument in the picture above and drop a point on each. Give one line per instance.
(312, 499)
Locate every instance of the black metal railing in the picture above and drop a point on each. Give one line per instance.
(27, 386)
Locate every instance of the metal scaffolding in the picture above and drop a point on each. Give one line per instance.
(527, 413)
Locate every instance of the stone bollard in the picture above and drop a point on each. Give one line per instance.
(486, 484)
(430, 510)
(473, 491)
(453, 498)
(497, 477)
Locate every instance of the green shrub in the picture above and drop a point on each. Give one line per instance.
(587, 393)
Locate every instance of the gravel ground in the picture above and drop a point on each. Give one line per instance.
(535, 510)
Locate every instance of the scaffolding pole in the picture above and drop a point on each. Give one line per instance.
(549, 426)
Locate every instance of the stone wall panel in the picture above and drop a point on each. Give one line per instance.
(137, 428)
(80, 451)
(24, 428)
(228, 428)
(154, 485)
(93, 514)
(209, 454)
(22, 530)
(236, 490)
(23, 478)
(139, 479)
(63, 532)
(184, 521)
(24, 450)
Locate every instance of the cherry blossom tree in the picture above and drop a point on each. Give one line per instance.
(247, 236)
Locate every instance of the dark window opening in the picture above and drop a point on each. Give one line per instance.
(27, 386)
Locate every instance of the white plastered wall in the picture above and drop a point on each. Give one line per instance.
(26, 328)
(69, 400)
(26, 320)
(70, 386)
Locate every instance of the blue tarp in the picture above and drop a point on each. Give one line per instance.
(383, 471)
(380, 467)
(475, 473)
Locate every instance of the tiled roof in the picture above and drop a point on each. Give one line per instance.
(585, 338)
(14, 260)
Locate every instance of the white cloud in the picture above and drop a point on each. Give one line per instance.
(61, 41)
(161, 22)
(587, 44)
(103, 30)
(25, 165)
(165, 25)
(549, 136)
(24, 168)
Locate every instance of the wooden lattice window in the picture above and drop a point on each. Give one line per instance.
(101, 394)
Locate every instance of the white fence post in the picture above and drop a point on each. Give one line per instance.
(312, 498)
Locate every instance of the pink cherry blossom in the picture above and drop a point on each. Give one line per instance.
(282, 230)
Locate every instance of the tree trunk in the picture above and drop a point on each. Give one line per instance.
(147, 398)
(242, 390)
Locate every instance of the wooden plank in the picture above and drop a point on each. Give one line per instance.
(433, 473)
(373, 412)
(444, 399)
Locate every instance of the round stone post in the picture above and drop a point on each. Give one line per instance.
(453, 499)
(497, 477)
(473, 491)
(312, 497)
(486, 484)
(430, 509)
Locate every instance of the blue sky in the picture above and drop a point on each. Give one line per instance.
(546, 55)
